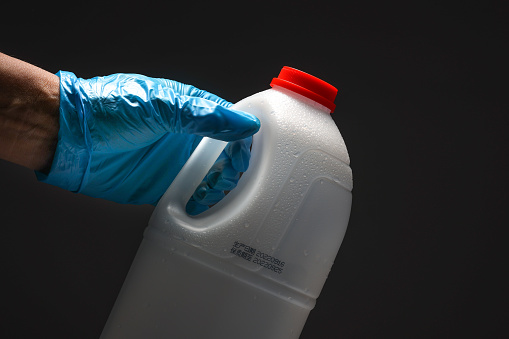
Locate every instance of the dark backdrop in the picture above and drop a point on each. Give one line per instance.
(422, 109)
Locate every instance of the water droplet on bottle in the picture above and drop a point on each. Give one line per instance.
(306, 253)
(246, 225)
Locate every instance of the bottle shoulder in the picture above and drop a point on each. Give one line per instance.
(296, 122)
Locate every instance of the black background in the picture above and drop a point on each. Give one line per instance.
(422, 107)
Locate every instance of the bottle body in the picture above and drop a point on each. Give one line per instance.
(254, 264)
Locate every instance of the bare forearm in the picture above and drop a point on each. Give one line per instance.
(29, 101)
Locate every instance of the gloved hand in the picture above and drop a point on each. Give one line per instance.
(125, 137)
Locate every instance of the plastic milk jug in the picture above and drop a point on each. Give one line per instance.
(253, 265)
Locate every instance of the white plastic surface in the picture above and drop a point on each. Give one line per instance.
(253, 265)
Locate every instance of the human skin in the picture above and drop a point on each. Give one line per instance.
(29, 118)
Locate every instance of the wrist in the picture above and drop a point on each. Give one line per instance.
(29, 101)
(45, 114)
(71, 154)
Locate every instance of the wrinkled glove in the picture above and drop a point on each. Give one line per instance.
(125, 137)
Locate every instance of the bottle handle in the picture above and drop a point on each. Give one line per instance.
(190, 176)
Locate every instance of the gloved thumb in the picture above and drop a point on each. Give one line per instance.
(209, 119)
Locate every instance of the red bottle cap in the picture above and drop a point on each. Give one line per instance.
(307, 85)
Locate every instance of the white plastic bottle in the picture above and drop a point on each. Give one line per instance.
(253, 265)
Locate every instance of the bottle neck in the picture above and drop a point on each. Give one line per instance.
(302, 98)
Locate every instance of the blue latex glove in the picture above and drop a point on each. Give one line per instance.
(125, 137)
(223, 176)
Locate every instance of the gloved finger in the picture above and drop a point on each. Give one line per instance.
(207, 118)
(203, 197)
(239, 152)
(191, 91)
(222, 176)
(195, 208)
(206, 195)
(225, 173)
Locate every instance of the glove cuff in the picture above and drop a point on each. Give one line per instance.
(72, 156)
